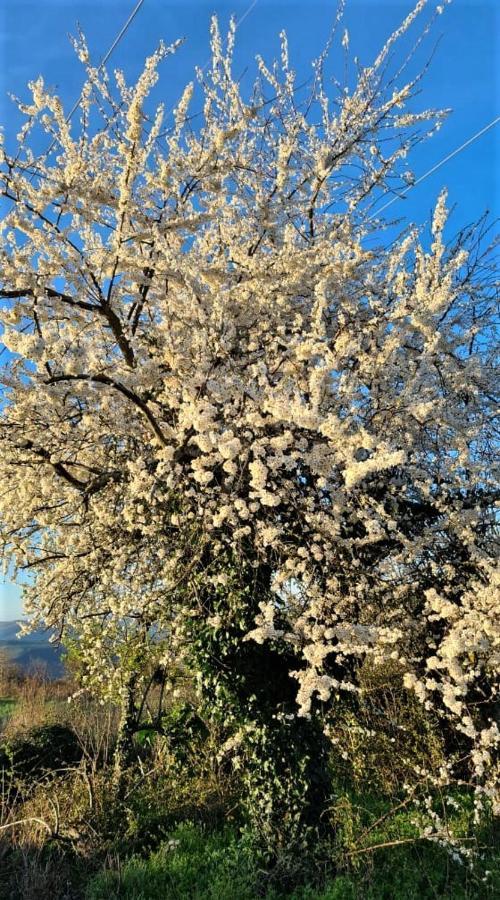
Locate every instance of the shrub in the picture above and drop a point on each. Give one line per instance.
(43, 749)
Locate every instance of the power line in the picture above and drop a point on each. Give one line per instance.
(99, 68)
(401, 194)
(107, 55)
(121, 33)
(102, 63)
(238, 23)
(247, 13)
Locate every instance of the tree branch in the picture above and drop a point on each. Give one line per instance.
(102, 309)
(122, 389)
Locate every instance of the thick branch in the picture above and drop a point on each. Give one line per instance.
(102, 309)
(59, 467)
(122, 389)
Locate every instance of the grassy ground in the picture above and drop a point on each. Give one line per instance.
(193, 865)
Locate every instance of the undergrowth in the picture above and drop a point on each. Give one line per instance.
(195, 864)
(175, 829)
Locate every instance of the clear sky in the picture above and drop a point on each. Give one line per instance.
(464, 75)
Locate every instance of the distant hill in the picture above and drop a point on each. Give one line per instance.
(9, 631)
(31, 650)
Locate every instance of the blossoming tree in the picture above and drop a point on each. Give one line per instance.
(237, 432)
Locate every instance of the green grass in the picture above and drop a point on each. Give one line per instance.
(7, 705)
(196, 865)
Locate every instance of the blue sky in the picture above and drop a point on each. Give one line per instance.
(464, 75)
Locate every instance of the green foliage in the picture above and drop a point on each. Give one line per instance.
(7, 705)
(196, 864)
(190, 864)
(184, 730)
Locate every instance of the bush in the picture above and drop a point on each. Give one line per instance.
(381, 737)
(43, 749)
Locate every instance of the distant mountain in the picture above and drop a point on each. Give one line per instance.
(31, 650)
(9, 631)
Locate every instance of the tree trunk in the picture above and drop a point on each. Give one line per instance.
(124, 745)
